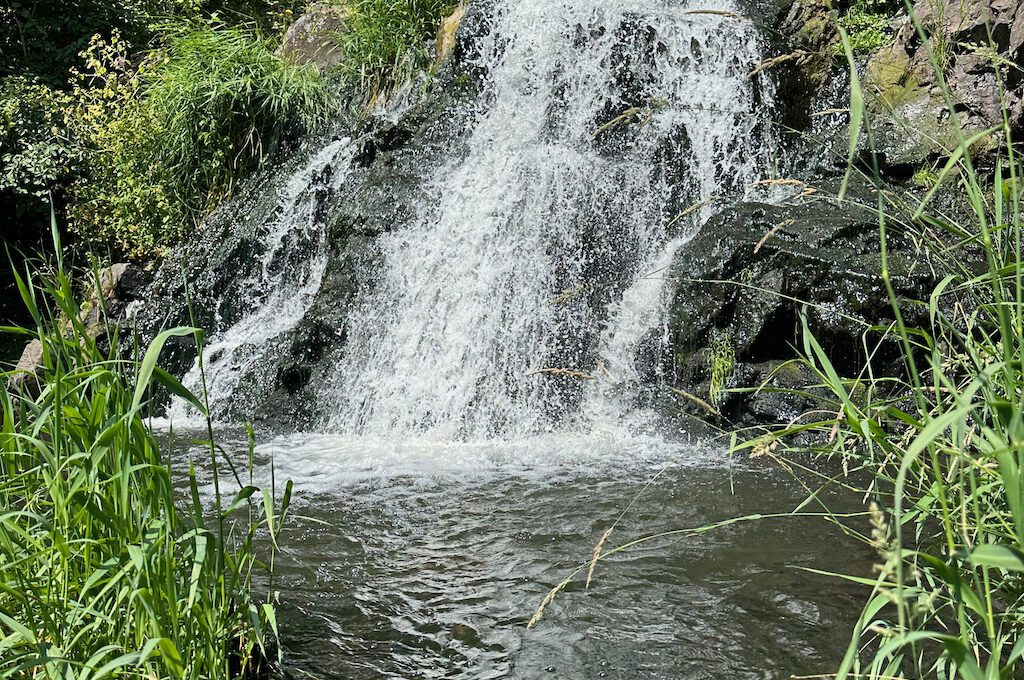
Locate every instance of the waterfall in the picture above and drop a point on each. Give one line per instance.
(536, 262)
(291, 265)
(534, 265)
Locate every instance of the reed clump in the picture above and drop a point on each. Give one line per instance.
(386, 41)
(106, 569)
(942, 442)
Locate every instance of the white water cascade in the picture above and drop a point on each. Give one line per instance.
(546, 245)
(291, 267)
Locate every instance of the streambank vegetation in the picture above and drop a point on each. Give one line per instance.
(137, 117)
(935, 449)
(943, 440)
(104, 571)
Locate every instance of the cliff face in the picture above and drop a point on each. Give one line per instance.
(977, 46)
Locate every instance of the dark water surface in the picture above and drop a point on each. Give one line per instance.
(431, 559)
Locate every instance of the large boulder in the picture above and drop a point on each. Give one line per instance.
(313, 38)
(747, 277)
(972, 40)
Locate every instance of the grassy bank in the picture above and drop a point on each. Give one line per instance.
(942, 442)
(386, 42)
(105, 568)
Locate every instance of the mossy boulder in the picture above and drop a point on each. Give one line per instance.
(313, 37)
(912, 120)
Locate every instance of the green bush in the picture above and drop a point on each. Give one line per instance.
(35, 151)
(42, 39)
(167, 141)
(385, 41)
(868, 24)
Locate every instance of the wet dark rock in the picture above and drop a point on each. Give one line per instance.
(751, 272)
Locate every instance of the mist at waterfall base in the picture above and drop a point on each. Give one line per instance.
(457, 477)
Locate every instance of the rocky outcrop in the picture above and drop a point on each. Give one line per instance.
(313, 38)
(108, 296)
(806, 64)
(747, 277)
(972, 41)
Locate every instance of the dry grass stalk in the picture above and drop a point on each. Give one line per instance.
(782, 181)
(548, 599)
(644, 113)
(695, 399)
(569, 294)
(800, 56)
(717, 13)
(569, 373)
(828, 112)
(764, 445)
(771, 232)
(692, 209)
(597, 554)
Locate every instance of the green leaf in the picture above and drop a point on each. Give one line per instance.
(998, 556)
(148, 365)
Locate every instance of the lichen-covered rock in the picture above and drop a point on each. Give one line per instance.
(312, 39)
(805, 63)
(912, 120)
(447, 32)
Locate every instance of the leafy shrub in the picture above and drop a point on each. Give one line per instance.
(269, 16)
(168, 140)
(386, 40)
(868, 24)
(43, 39)
(121, 199)
(35, 153)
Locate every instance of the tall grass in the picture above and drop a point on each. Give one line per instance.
(942, 441)
(386, 41)
(105, 568)
(223, 97)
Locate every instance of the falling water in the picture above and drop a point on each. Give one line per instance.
(291, 268)
(538, 260)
